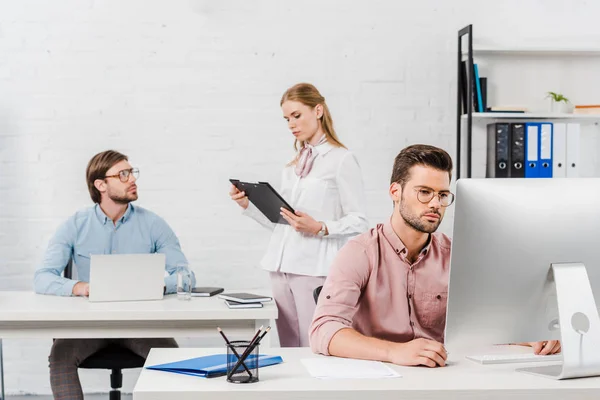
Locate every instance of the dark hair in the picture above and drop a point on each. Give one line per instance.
(420, 154)
(97, 167)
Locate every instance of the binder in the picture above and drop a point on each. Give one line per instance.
(463, 86)
(559, 150)
(468, 78)
(478, 88)
(212, 366)
(498, 144)
(517, 151)
(532, 138)
(573, 142)
(545, 144)
(483, 84)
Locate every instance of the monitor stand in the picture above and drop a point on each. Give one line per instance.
(579, 325)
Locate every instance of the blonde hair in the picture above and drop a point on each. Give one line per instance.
(308, 95)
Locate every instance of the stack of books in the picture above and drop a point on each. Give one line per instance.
(587, 109)
(244, 300)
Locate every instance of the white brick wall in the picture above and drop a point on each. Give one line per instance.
(190, 90)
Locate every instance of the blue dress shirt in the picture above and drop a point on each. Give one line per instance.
(90, 231)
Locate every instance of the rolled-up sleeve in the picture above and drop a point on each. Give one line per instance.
(352, 198)
(339, 297)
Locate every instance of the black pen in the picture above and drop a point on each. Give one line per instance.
(232, 349)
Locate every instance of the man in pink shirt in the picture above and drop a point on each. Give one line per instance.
(386, 294)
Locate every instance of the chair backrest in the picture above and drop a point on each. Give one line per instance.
(316, 293)
(68, 272)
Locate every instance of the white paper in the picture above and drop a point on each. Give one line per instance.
(346, 368)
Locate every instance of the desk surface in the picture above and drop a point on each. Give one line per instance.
(30, 315)
(290, 380)
(28, 306)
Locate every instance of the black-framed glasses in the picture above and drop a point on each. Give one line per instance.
(425, 195)
(124, 174)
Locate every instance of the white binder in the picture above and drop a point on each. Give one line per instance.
(559, 167)
(573, 141)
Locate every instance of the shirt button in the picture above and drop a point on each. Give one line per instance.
(410, 296)
(412, 323)
(439, 297)
(397, 251)
(328, 297)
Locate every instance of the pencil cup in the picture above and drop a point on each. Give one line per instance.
(246, 372)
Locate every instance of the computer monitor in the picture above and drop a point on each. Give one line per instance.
(515, 242)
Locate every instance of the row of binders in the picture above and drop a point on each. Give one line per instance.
(533, 150)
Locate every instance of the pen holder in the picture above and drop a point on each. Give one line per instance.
(247, 371)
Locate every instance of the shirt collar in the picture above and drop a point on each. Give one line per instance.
(324, 148)
(393, 239)
(104, 219)
(397, 243)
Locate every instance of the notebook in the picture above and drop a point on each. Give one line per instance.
(214, 365)
(205, 291)
(235, 304)
(245, 297)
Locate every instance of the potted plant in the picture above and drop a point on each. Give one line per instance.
(558, 103)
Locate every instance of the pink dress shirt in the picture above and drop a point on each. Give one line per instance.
(373, 288)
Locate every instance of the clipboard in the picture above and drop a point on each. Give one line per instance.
(265, 198)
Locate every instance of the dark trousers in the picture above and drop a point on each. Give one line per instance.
(67, 354)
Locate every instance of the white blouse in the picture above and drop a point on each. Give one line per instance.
(332, 192)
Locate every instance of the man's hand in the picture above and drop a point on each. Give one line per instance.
(81, 289)
(301, 222)
(419, 352)
(545, 348)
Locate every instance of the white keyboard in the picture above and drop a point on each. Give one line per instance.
(513, 358)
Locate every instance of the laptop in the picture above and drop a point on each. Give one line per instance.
(127, 277)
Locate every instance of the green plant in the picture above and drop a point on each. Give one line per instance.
(557, 97)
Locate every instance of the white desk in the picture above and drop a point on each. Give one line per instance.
(463, 379)
(30, 315)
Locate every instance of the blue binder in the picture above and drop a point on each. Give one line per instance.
(546, 153)
(212, 366)
(478, 88)
(532, 149)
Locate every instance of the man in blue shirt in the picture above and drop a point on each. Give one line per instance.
(112, 226)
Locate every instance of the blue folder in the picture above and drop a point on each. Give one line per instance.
(215, 365)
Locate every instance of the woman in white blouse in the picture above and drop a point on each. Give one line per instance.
(323, 183)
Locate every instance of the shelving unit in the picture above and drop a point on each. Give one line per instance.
(533, 116)
(470, 116)
(534, 51)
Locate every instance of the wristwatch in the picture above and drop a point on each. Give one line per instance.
(323, 230)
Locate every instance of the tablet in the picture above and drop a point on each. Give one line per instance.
(265, 198)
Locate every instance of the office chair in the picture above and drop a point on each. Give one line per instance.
(316, 293)
(113, 357)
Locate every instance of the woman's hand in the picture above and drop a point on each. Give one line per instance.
(238, 197)
(301, 222)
